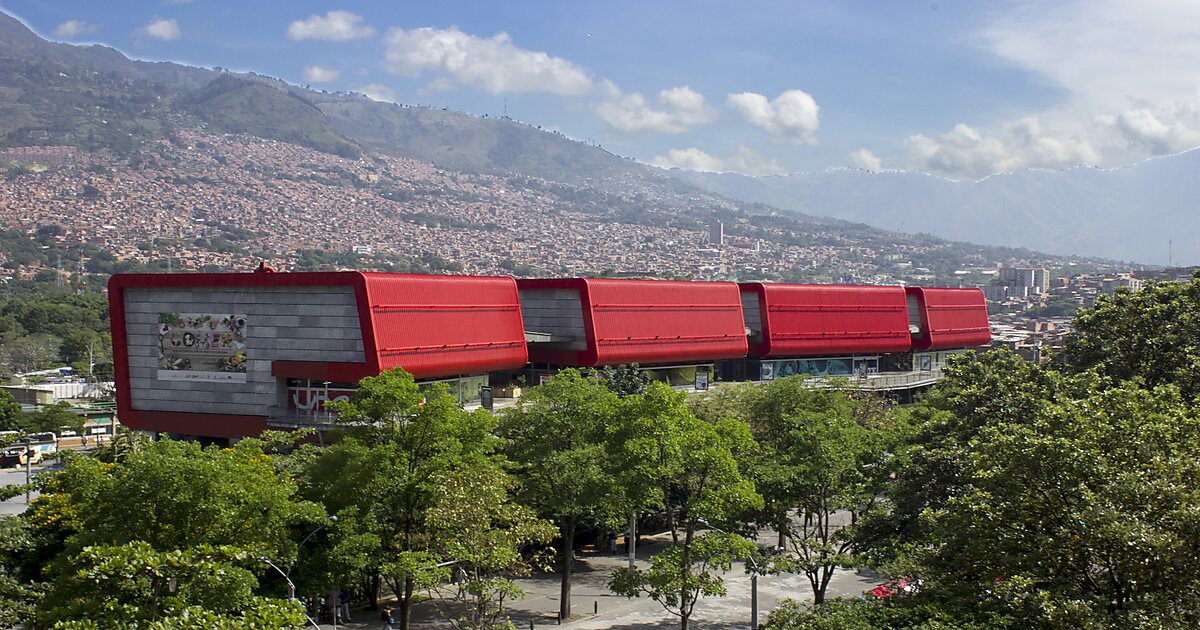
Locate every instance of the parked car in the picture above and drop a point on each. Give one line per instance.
(899, 587)
(32, 449)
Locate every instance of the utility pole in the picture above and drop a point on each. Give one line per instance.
(631, 540)
(28, 468)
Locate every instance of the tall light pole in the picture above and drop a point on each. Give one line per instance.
(28, 467)
(753, 577)
(291, 592)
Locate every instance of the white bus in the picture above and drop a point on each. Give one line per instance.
(31, 449)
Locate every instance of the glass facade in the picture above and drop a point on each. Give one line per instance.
(833, 366)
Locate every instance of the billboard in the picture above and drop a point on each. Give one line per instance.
(207, 347)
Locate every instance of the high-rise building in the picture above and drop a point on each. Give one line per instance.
(716, 233)
(1035, 279)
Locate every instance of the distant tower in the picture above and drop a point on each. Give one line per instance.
(716, 233)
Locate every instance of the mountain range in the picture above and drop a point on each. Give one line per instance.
(96, 98)
(1148, 212)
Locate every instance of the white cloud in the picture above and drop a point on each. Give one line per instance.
(684, 108)
(493, 64)
(744, 160)
(1107, 54)
(317, 74)
(377, 92)
(964, 152)
(74, 28)
(792, 117)
(1159, 131)
(865, 159)
(1127, 71)
(334, 26)
(161, 28)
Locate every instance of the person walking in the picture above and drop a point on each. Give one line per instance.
(344, 605)
(389, 622)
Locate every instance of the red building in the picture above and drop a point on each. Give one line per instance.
(228, 355)
(593, 322)
(948, 318)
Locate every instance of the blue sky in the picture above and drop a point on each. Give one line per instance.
(960, 89)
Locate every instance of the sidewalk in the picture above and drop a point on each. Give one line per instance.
(594, 607)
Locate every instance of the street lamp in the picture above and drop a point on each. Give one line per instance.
(291, 592)
(754, 569)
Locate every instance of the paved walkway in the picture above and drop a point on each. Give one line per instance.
(596, 607)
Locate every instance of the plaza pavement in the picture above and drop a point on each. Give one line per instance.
(595, 607)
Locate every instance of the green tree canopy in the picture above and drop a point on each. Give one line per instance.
(555, 437)
(398, 441)
(207, 517)
(1152, 334)
(689, 468)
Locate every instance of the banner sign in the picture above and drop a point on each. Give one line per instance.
(207, 347)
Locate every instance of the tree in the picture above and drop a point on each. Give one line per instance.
(1087, 516)
(399, 440)
(1046, 500)
(480, 533)
(1152, 334)
(867, 614)
(556, 438)
(679, 576)
(815, 470)
(165, 504)
(689, 467)
(53, 418)
(979, 390)
(10, 411)
(133, 584)
(30, 352)
(624, 380)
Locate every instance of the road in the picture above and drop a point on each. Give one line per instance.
(16, 477)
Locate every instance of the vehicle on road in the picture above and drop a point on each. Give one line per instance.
(33, 449)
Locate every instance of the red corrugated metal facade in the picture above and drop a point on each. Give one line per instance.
(435, 326)
(800, 320)
(651, 321)
(953, 318)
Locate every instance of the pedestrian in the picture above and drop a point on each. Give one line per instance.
(389, 621)
(612, 543)
(344, 606)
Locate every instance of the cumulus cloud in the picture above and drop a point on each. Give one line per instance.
(1160, 131)
(965, 152)
(743, 160)
(378, 92)
(865, 159)
(493, 63)
(334, 26)
(792, 117)
(161, 28)
(683, 108)
(74, 28)
(317, 74)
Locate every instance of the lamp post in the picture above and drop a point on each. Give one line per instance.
(28, 467)
(753, 578)
(291, 592)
